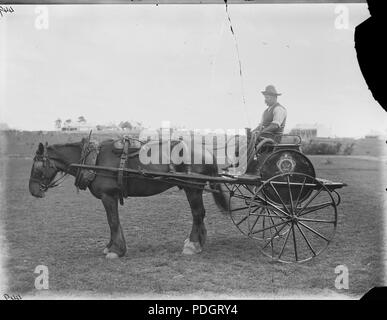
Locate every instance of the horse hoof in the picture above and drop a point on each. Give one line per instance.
(191, 248)
(105, 251)
(111, 255)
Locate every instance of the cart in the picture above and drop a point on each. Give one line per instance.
(282, 205)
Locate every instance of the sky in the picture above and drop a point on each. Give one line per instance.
(180, 63)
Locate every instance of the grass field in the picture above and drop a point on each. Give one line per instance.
(67, 232)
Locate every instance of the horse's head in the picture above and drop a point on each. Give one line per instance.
(43, 172)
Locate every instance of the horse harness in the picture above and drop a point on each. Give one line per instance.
(89, 155)
(123, 160)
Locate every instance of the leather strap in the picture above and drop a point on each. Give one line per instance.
(85, 147)
(124, 158)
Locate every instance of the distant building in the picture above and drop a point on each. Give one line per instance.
(373, 134)
(305, 134)
(108, 127)
(78, 126)
(311, 131)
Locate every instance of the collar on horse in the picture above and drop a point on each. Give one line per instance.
(89, 152)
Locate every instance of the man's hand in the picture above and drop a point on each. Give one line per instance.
(255, 133)
(257, 130)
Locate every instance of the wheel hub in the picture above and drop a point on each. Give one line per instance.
(294, 219)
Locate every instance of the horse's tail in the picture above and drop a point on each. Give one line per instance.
(221, 197)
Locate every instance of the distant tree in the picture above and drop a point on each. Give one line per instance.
(58, 123)
(66, 124)
(4, 126)
(126, 125)
(349, 149)
(81, 119)
(338, 147)
(321, 148)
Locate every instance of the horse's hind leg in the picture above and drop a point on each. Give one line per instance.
(117, 246)
(197, 238)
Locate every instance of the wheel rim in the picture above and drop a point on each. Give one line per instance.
(241, 206)
(302, 228)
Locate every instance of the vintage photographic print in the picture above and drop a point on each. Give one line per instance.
(212, 150)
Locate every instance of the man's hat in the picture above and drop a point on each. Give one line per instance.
(271, 91)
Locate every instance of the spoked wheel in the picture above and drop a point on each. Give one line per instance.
(303, 217)
(241, 206)
(249, 213)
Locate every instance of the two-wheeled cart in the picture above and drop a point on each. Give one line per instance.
(282, 205)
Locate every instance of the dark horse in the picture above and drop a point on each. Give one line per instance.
(49, 160)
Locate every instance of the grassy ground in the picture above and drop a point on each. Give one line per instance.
(67, 232)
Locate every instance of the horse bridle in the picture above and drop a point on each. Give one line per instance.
(47, 162)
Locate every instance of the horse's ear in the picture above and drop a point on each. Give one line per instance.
(40, 149)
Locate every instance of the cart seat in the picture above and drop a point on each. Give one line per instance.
(291, 146)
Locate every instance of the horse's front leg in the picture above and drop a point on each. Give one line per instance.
(117, 246)
(195, 242)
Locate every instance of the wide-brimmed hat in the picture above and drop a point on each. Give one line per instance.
(271, 91)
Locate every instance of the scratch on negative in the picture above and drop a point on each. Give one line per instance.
(237, 50)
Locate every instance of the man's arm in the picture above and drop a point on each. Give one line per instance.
(270, 128)
(278, 117)
(259, 128)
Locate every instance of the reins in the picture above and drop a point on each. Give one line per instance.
(56, 182)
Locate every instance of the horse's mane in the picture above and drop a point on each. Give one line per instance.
(57, 149)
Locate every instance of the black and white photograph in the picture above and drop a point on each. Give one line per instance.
(189, 150)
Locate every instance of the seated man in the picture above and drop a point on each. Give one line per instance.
(273, 118)
(272, 124)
